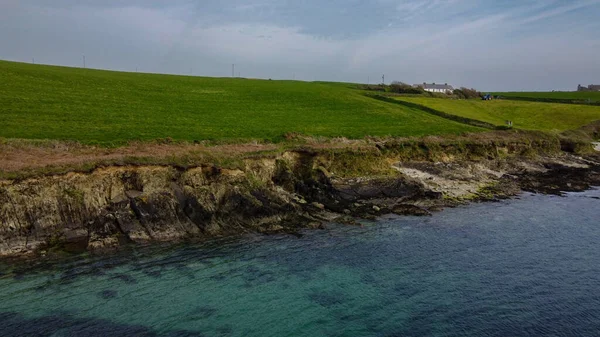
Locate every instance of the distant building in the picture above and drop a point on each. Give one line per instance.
(441, 88)
(591, 87)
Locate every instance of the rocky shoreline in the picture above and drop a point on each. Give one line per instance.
(116, 206)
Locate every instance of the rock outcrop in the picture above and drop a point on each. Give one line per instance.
(115, 206)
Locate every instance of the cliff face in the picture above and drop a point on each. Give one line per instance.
(115, 206)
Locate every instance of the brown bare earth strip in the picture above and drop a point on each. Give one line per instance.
(23, 155)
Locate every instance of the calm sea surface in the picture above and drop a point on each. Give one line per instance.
(528, 267)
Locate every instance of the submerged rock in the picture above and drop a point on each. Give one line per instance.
(108, 294)
(406, 209)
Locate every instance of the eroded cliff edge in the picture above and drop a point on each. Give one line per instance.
(305, 187)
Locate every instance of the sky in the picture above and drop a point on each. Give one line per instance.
(491, 45)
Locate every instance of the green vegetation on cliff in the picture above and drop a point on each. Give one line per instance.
(106, 107)
(525, 115)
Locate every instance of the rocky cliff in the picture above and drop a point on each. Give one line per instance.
(113, 206)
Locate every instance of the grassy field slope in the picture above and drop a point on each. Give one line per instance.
(581, 97)
(93, 106)
(525, 115)
(594, 95)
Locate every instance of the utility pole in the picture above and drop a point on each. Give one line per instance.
(83, 61)
(233, 70)
(383, 79)
(368, 80)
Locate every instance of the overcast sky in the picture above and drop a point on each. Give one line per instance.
(486, 44)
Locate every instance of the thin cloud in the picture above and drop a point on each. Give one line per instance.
(557, 11)
(514, 44)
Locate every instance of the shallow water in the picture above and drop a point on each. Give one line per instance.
(527, 267)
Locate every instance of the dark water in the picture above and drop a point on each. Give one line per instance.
(528, 267)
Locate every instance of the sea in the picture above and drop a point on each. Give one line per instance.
(528, 266)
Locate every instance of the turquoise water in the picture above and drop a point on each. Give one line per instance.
(527, 267)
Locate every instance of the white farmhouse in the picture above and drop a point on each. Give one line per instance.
(440, 88)
(591, 87)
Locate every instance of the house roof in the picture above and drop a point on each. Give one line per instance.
(436, 86)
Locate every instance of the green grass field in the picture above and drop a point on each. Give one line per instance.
(525, 115)
(560, 95)
(104, 107)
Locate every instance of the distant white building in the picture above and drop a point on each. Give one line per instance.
(591, 87)
(440, 88)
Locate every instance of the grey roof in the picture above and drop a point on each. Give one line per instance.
(436, 86)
